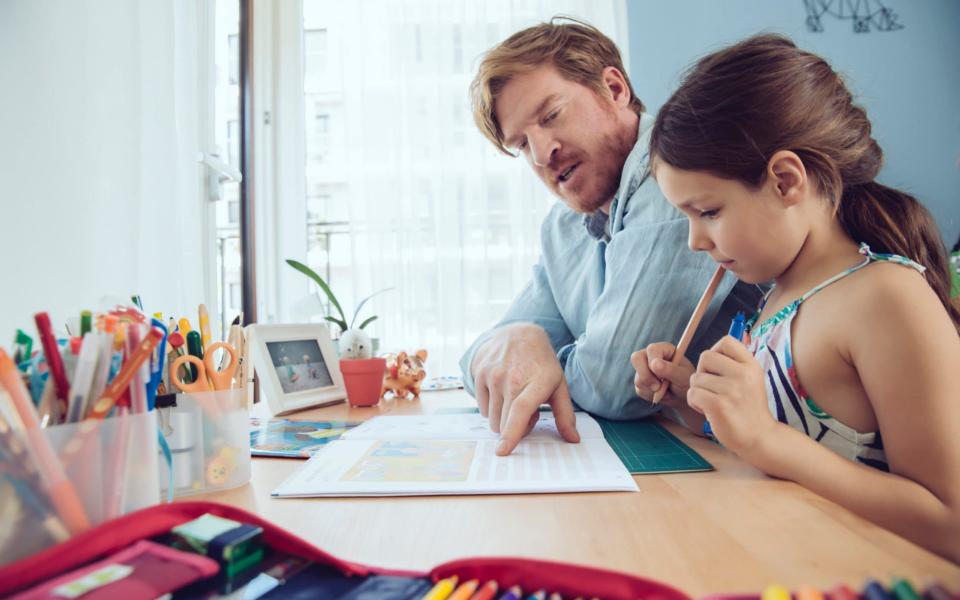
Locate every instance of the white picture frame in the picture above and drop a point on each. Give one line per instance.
(298, 366)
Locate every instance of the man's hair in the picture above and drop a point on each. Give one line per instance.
(580, 52)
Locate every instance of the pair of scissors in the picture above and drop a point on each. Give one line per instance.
(209, 377)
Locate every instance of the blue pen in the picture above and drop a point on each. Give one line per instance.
(736, 331)
(874, 590)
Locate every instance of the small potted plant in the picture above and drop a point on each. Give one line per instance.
(362, 372)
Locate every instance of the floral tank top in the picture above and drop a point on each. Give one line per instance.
(770, 342)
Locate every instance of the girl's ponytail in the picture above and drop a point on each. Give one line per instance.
(894, 222)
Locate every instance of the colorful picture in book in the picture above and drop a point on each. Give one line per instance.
(294, 439)
(300, 365)
(424, 461)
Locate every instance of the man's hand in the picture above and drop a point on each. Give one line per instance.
(514, 372)
(653, 366)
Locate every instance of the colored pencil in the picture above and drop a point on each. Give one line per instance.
(691, 328)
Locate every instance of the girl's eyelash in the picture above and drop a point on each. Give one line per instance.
(709, 214)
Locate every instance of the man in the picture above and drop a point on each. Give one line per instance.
(615, 274)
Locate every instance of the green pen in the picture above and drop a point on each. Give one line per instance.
(902, 590)
(86, 322)
(22, 349)
(195, 348)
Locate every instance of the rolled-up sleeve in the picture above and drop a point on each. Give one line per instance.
(536, 305)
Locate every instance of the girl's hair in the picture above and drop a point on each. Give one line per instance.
(580, 52)
(737, 107)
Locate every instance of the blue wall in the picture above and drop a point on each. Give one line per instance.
(908, 80)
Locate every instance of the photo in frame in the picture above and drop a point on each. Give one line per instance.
(297, 366)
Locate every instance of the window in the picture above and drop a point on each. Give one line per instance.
(314, 59)
(233, 65)
(394, 186)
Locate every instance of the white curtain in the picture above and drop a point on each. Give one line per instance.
(434, 210)
(99, 186)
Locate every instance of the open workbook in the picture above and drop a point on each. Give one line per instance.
(454, 454)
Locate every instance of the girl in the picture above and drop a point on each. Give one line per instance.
(846, 382)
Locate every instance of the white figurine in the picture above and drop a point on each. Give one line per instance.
(355, 343)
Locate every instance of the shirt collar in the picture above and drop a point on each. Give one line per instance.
(633, 173)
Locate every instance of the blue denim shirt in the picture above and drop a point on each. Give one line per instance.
(607, 286)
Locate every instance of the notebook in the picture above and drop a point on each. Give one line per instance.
(293, 439)
(454, 454)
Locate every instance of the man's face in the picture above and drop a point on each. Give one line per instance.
(575, 140)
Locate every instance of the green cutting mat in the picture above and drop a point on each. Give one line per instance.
(644, 446)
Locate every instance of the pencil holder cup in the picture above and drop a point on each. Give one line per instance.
(209, 439)
(62, 480)
(363, 378)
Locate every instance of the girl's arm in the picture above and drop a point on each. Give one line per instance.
(904, 348)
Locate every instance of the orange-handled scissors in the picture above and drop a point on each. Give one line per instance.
(209, 378)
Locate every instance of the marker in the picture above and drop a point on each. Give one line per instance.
(737, 326)
(842, 592)
(538, 595)
(935, 591)
(808, 593)
(465, 591)
(137, 302)
(874, 590)
(51, 352)
(86, 322)
(775, 592)
(83, 377)
(23, 349)
(442, 589)
(62, 494)
(194, 348)
(487, 591)
(122, 380)
(185, 328)
(691, 328)
(902, 590)
(514, 593)
(205, 336)
(104, 343)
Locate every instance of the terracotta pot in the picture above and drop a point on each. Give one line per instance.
(363, 378)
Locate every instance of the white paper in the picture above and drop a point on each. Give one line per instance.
(454, 454)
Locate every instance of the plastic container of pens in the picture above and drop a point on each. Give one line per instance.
(209, 441)
(62, 480)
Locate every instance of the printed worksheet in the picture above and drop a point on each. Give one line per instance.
(454, 454)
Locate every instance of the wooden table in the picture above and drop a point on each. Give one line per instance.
(729, 530)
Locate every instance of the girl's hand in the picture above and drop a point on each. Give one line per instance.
(653, 366)
(729, 389)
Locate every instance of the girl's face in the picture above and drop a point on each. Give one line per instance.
(748, 231)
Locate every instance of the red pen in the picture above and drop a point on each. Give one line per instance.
(51, 353)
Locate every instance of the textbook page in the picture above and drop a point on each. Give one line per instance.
(454, 454)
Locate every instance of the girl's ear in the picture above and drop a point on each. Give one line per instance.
(785, 171)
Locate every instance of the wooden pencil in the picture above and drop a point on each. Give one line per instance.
(691, 328)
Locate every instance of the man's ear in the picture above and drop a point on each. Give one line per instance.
(617, 87)
(788, 176)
